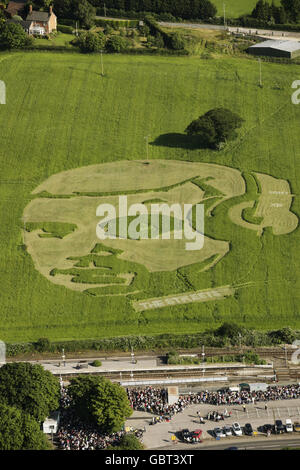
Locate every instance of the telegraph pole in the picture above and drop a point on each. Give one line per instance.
(224, 11)
(132, 356)
(104, 10)
(203, 359)
(63, 357)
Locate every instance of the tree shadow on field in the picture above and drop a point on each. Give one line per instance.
(176, 140)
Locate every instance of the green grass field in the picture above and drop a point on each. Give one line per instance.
(61, 115)
(236, 8)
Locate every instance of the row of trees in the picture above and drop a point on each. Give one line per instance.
(289, 10)
(28, 394)
(186, 9)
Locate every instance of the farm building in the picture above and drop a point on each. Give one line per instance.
(276, 48)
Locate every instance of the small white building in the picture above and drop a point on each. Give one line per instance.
(51, 424)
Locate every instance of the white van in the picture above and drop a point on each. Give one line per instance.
(288, 425)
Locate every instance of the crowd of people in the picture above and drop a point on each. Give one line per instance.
(154, 400)
(75, 434)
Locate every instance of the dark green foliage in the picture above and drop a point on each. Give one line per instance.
(129, 442)
(91, 42)
(215, 127)
(42, 345)
(268, 13)
(116, 44)
(229, 330)
(79, 10)
(186, 9)
(30, 388)
(98, 400)
(20, 431)
(12, 36)
(96, 363)
(285, 335)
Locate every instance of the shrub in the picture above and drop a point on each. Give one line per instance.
(96, 363)
(91, 42)
(116, 44)
(43, 345)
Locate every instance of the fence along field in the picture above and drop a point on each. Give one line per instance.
(93, 120)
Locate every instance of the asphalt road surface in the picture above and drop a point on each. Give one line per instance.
(267, 443)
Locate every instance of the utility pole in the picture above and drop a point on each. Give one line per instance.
(76, 30)
(132, 356)
(102, 70)
(63, 357)
(104, 10)
(224, 10)
(203, 359)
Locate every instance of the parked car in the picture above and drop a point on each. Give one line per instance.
(248, 430)
(268, 428)
(289, 425)
(227, 431)
(184, 434)
(279, 428)
(196, 435)
(218, 432)
(237, 429)
(297, 427)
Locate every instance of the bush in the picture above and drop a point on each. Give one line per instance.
(96, 363)
(12, 36)
(91, 42)
(42, 345)
(116, 44)
(215, 127)
(130, 442)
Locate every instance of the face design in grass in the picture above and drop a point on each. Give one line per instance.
(60, 222)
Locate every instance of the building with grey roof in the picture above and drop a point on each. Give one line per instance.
(276, 48)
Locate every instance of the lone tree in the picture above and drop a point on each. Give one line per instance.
(30, 388)
(20, 431)
(98, 400)
(215, 127)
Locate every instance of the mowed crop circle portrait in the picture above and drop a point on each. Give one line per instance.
(60, 222)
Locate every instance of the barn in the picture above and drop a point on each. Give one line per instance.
(276, 48)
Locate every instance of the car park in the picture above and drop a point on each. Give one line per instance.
(248, 430)
(237, 429)
(288, 425)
